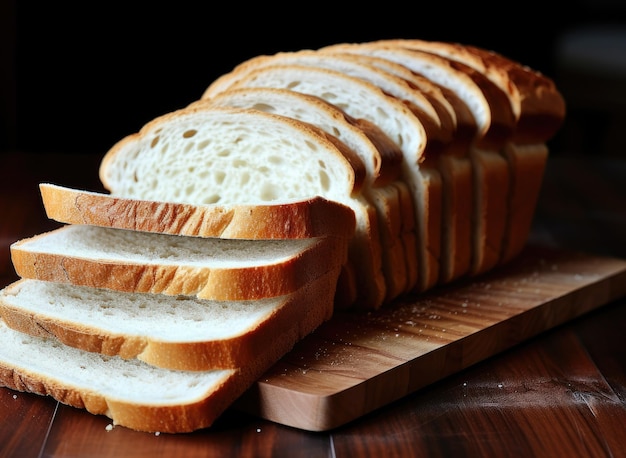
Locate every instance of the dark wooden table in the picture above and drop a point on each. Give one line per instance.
(564, 390)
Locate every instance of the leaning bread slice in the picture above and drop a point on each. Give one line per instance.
(311, 217)
(364, 100)
(183, 332)
(145, 262)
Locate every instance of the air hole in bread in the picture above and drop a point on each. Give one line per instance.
(188, 147)
(293, 84)
(203, 144)
(275, 160)
(155, 140)
(219, 176)
(264, 107)
(269, 192)
(212, 199)
(324, 180)
(189, 133)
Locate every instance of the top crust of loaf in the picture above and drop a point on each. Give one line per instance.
(313, 217)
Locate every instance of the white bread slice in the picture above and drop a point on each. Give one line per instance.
(364, 100)
(142, 396)
(232, 156)
(495, 122)
(313, 217)
(182, 333)
(146, 262)
(205, 155)
(371, 144)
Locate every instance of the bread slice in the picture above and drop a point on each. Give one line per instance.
(381, 156)
(308, 218)
(133, 393)
(364, 100)
(182, 332)
(205, 155)
(209, 268)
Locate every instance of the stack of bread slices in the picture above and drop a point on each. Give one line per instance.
(299, 183)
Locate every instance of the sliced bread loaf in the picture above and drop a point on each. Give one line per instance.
(209, 268)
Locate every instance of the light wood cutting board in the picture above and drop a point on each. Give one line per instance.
(358, 362)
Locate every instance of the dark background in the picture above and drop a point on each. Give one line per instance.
(77, 78)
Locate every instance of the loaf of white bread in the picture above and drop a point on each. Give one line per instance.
(297, 184)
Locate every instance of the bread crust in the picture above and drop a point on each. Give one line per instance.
(313, 217)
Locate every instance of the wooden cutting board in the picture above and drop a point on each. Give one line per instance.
(358, 362)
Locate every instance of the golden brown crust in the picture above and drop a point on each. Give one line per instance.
(529, 162)
(539, 107)
(314, 217)
(457, 209)
(542, 106)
